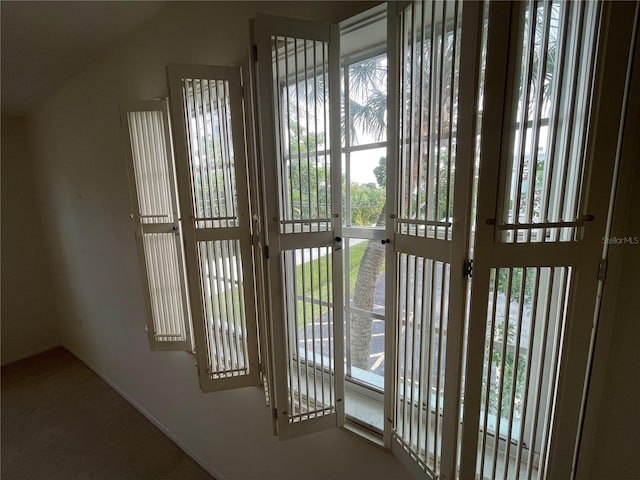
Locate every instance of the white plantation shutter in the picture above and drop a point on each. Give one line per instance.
(207, 111)
(552, 109)
(484, 378)
(155, 214)
(259, 193)
(434, 57)
(298, 78)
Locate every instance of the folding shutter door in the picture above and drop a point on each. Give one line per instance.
(542, 210)
(434, 53)
(207, 113)
(298, 77)
(155, 213)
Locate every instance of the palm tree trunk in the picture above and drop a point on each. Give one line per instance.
(363, 297)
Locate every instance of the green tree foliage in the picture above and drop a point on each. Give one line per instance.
(510, 373)
(368, 199)
(309, 176)
(381, 172)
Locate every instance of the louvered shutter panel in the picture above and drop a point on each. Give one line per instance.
(211, 163)
(434, 57)
(157, 227)
(298, 78)
(555, 77)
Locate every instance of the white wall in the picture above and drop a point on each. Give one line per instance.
(616, 446)
(611, 442)
(28, 303)
(81, 169)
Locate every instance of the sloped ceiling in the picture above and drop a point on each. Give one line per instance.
(46, 43)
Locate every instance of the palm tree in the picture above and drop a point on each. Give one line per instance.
(367, 80)
(363, 297)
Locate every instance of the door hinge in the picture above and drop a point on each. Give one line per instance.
(266, 251)
(254, 51)
(468, 268)
(275, 413)
(602, 269)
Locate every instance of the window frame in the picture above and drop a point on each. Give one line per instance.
(373, 395)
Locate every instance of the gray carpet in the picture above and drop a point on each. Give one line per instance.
(60, 421)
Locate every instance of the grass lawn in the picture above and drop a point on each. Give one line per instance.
(316, 271)
(311, 278)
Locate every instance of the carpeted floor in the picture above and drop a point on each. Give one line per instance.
(60, 421)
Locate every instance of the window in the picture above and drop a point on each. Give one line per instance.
(408, 237)
(512, 332)
(364, 151)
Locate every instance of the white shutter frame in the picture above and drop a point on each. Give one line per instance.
(258, 193)
(265, 27)
(171, 226)
(205, 329)
(470, 58)
(390, 331)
